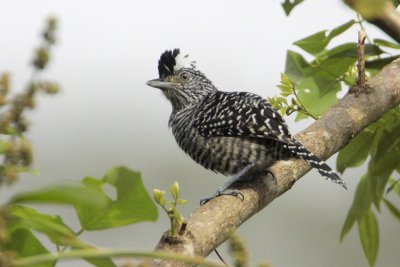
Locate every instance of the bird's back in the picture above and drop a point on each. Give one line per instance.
(223, 154)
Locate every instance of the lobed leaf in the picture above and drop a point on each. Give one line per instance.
(133, 203)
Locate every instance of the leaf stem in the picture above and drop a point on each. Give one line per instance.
(102, 253)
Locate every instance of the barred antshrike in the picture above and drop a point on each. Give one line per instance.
(232, 133)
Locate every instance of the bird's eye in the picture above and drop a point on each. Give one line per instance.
(184, 76)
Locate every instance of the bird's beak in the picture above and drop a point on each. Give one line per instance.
(157, 83)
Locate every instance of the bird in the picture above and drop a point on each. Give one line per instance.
(232, 133)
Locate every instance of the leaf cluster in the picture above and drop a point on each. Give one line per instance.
(380, 145)
(170, 206)
(95, 208)
(315, 84)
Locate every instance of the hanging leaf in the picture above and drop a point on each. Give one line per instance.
(360, 205)
(369, 236)
(356, 152)
(379, 172)
(395, 212)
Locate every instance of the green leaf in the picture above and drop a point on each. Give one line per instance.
(378, 132)
(133, 203)
(317, 102)
(341, 29)
(314, 43)
(288, 5)
(369, 236)
(385, 164)
(101, 262)
(348, 224)
(317, 42)
(66, 194)
(395, 212)
(378, 64)
(295, 65)
(356, 152)
(286, 85)
(379, 172)
(350, 50)
(52, 226)
(394, 185)
(373, 50)
(25, 243)
(390, 136)
(360, 205)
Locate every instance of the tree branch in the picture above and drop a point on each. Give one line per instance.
(211, 224)
(388, 19)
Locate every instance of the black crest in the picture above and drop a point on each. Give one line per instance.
(167, 62)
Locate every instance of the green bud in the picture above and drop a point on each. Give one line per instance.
(175, 190)
(159, 196)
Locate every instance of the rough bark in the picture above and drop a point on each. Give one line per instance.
(211, 224)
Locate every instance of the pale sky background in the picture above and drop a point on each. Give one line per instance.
(106, 115)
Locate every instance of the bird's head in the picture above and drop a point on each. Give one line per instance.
(179, 80)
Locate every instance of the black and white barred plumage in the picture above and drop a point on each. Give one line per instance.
(226, 131)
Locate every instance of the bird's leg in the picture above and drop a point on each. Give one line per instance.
(223, 190)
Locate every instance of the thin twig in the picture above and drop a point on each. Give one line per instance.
(361, 57)
(361, 86)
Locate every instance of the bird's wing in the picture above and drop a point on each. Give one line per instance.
(240, 114)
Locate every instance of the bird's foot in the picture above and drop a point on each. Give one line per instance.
(226, 192)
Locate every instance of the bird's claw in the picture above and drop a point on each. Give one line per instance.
(230, 192)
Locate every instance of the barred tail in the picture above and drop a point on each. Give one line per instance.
(323, 168)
